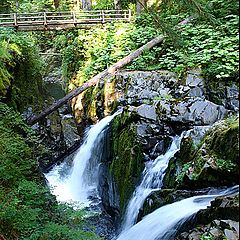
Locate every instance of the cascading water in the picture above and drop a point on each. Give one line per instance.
(163, 223)
(82, 179)
(152, 180)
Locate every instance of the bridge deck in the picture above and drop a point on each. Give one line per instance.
(60, 20)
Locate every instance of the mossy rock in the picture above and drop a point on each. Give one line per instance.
(181, 159)
(224, 141)
(26, 87)
(214, 162)
(127, 164)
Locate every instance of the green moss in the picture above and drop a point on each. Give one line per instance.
(127, 163)
(224, 140)
(215, 160)
(26, 87)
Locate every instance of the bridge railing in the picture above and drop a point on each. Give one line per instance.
(55, 18)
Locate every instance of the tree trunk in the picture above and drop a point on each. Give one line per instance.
(56, 3)
(140, 4)
(111, 71)
(117, 4)
(86, 4)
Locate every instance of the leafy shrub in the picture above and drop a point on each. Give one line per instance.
(212, 46)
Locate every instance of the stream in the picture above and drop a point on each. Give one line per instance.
(163, 223)
(152, 180)
(77, 182)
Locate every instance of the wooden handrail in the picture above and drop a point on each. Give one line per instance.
(75, 18)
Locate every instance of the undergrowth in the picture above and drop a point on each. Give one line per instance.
(213, 47)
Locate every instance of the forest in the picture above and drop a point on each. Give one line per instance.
(140, 140)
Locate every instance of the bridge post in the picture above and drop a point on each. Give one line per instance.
(74, 18)
(103, 18)
(45, 19)
(129, 15)
(15, 19)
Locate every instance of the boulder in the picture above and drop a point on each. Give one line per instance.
(198, 112)
(219, 221)
(146, 111)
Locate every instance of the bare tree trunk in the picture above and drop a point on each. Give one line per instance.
(111, 71)
(56, 3)
(140, 4)
(86, 4)
(117, 4)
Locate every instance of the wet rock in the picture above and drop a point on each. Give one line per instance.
(217, 221)
(146, 111)
(142, 129)
(194, 79)
(69, 130)
(156, 105)
(232, 98)
(198, 112)
(163, 197)
(196, 92)
(102, 224)
(230, 234)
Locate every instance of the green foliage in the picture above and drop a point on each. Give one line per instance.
(20, 69)
(35, 5)
(27, 209)
(225, 165)
(184, 169)
(214, 48)
(207, 237)
(210, 45)
(103, 4)
(92, 51)
(6, 5)
(5, 58)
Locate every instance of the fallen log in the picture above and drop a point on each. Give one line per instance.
(111, 71)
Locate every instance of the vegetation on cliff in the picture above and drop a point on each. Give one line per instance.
(20, 70)
(213, 161)
(27, 209)
(127, 163)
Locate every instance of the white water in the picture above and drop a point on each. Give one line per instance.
(163, 223)
(152, 180)
(82, 180)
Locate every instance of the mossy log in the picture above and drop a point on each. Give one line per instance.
(111, 71)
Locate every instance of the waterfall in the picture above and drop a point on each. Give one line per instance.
(163, 223)
(152, 180)
(81, 181)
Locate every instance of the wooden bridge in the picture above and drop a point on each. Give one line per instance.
(61, 20)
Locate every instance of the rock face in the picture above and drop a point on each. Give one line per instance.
(121, 166)
(190, 100)
(157, 105)
(59, 130)
(213, 162)
(60, 134)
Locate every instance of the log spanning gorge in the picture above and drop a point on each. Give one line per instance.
(77, 182)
